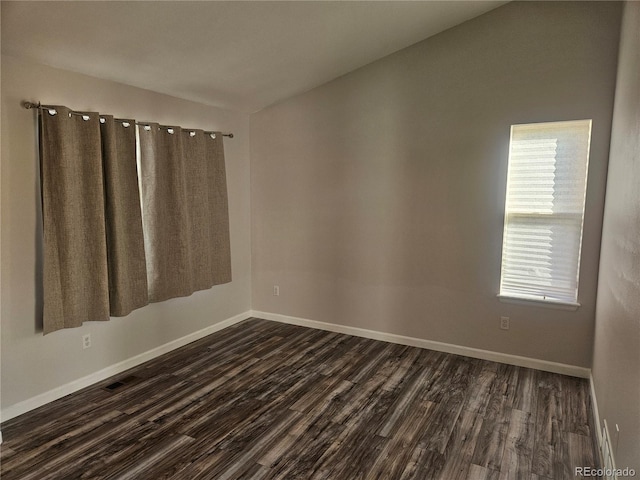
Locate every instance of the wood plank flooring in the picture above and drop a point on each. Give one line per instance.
(263, 400)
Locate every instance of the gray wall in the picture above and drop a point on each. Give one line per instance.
(33, 363)
(616, 360)
(378, 198)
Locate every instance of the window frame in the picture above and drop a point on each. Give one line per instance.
(507, 296)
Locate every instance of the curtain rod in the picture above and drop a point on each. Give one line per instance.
(39, 106)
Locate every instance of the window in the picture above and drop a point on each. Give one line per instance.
(544, 211)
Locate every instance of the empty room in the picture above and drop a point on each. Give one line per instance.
(320, 240)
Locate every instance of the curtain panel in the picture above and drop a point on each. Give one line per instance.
(125, 243)
(75, 276)
(131, 215)
(219, 207)
(186, 219)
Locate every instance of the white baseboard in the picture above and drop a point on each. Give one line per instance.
(519, 361)
(596, 417)
(59, 392)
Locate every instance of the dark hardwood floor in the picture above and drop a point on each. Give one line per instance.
(264, 400)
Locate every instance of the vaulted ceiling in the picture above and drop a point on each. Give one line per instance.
(238, 55)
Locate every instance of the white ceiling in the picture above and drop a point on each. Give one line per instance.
(238, 55)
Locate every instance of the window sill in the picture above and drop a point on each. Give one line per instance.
(537, 302)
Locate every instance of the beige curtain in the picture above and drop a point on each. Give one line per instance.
(125, 241)
(110, 247)
(75, 273)
(94, 261)
(185, 212)
(166, 235)
(218, 202)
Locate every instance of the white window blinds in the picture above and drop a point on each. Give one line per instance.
(544, 211)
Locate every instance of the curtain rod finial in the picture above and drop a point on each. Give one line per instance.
(29, 105)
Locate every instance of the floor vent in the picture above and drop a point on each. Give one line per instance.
(120, 383)
(114, 385)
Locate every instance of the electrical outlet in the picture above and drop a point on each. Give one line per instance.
(86, 341)
(504, 323)
(276, 291)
